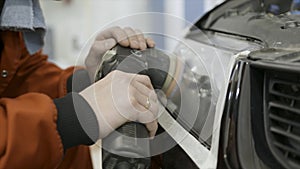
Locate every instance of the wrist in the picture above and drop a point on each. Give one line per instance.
(76, 122)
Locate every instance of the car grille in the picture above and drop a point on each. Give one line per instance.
(282, 116)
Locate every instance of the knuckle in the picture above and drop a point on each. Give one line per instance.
(114, 28)
(118, 33)
(141, 38)
(134, 102)
(133, 92)
(147, 79)
(114, 73)
(94, 47)
(144, 78)
(128, 28)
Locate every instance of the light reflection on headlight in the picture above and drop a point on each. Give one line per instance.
(207, 67)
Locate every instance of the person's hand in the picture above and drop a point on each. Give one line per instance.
(122, 97)
(108, 38)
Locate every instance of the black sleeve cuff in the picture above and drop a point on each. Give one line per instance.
(76, 123)
(78, 81)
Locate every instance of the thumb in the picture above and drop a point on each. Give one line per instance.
(97, 50)
(102, 46)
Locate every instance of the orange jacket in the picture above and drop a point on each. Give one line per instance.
(28, 135)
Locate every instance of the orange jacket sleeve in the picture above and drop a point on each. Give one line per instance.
(29, 138)
(28, 116)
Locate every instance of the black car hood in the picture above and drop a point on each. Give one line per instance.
(254, 20)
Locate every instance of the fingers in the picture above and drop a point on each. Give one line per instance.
(135, 98)
(108, 38)
(150, 42)
(144, 80)
(148, 116)
(99, 47)
(146, 104)
(127, 37)
(150, 93)
(141, 39)
(152, 128)
(132, 37)
(116, 33)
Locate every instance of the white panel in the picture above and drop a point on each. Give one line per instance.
(173, 26)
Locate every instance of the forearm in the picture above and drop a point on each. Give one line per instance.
(77, 122)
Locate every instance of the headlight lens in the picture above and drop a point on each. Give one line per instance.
(204, 76)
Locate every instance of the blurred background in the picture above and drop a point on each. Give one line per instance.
(72, 22)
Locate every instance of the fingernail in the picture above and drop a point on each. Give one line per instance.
(151, 45)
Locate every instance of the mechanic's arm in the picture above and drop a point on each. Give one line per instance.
(28, 132)
(34, 130)
(34, 133)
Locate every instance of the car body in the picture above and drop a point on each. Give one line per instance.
(247, 53)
